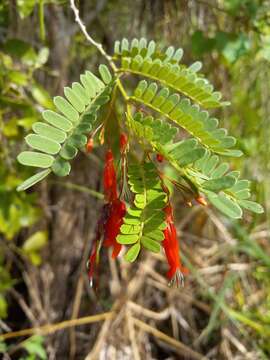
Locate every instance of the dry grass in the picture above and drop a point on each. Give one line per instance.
(141, 316)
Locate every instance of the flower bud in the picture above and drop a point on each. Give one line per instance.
(201, 200)
(90, 145)
(160, 158)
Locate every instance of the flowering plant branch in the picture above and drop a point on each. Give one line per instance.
(144, 140)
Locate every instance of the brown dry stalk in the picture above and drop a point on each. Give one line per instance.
(51, 328)
(185, 350)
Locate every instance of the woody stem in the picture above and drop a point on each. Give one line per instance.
(98, 46)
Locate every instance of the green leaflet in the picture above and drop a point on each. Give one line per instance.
(144, 221)
(159, 131)
(130, 229)
(161, 134)
(241, 185)
(150, 244)
(133, 252)
(191, 156)
(43, 144)
(105, 74)
(127, 239)
(251, 206)
(226, 205)
(66, 109)
(147, 50)
(57, 120)
(49, 132)
(77, 140)
(74, 99)
(224, 189)
(61, 167)
(163, 66)
(84, 128)
(220, 170)
(33, 180)
(219, 184)
(68, 152)
(64, 133)
(188, 116)
(36, 159)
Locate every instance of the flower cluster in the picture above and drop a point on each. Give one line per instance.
(111, 219)
(117, 208)
(114, 210)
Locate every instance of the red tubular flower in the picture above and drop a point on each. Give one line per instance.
(171, 247)
(109, 178)
(89, 146)
(112, 226)
(117, 208)
(111, 218)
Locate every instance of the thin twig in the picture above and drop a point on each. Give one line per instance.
(80, 188)
(140, 310)
(88, 37)
(75, 312)
(132, 335)
(51, 328)
(134, 286)
(26, 309)
(183, 349)
(98, 46)
(4, 326)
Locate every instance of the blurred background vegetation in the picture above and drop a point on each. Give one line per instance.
(45, 234)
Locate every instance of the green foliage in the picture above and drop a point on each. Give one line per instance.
(3, 307)
(144, 221)
(189, 117)
(57, 142)
(34, 347)
(21, 97)
(160, 135)
(17, 210)
(19, 49)
(3, 347)
(65, 133)
(232, 47)
(192, 160)
(6, 282)
(34, 244)
(223, 188)
(26, 7)
(143, 59)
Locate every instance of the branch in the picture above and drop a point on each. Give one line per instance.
(97, 45)
(80, 188)
(51, 328)
(183, 349)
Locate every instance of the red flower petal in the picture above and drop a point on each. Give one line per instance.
(109, 178)
(113, 224)
(90, 145)
(172, 251)
(160, 158)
